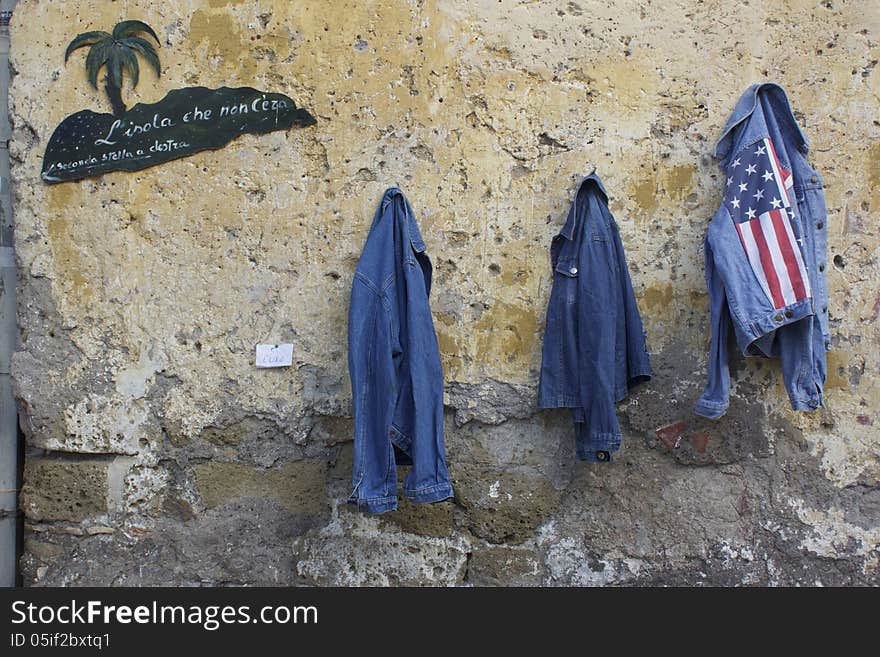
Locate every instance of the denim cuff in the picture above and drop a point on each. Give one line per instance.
(807, 404)
(635, 377)
(710, 409)
(594, 455)
(375, 504)
(762, 326)
(598, 447)
(428, 494)
(557, 401)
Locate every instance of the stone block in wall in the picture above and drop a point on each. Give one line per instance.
(362, 556)
(503, 566)
(503, 504)
(57, 488)
(299, 486)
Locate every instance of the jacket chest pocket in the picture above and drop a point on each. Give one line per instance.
(811, 203)
(567, 280)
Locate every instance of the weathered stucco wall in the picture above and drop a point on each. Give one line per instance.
(157, 453)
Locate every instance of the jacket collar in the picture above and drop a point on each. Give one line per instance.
(590, 184)
(411, 227)
(745, 106)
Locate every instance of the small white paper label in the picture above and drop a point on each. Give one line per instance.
(274, 355)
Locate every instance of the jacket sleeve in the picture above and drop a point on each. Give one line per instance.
(373, 388)
(714, 400)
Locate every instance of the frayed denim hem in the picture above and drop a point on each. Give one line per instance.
(806, 404)
(375, 504)
(435, 493)
(710, 410)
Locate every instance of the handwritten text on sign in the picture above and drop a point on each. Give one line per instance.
(274, 355)
(186, 121)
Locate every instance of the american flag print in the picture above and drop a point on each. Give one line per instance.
(758, 197)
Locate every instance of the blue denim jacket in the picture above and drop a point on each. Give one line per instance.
(394, 364)
(594, 342)
(765, 252)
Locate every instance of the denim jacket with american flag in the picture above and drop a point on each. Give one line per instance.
(765, 252)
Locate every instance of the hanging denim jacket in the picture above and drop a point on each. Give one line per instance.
(394, 364)
(594, 342)
(765, 252)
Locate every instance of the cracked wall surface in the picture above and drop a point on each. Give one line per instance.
(158, 454)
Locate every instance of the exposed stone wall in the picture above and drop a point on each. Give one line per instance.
(158, 454)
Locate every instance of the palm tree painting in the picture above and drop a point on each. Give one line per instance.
(117, 51)
(184, 122)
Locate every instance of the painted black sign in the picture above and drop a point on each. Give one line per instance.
(186, 121)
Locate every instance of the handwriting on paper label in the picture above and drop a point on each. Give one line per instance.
(274, 355)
